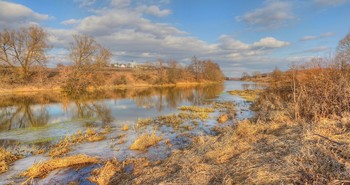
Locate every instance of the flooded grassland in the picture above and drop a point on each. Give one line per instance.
(51, 138)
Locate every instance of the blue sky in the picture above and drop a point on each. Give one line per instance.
(241, 36)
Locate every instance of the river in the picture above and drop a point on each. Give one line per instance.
(31, 121)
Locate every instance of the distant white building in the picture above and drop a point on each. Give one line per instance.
(123, 65)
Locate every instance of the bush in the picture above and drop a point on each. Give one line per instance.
(310, 91)
(120, 80)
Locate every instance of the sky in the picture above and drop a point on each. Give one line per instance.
(241, 36)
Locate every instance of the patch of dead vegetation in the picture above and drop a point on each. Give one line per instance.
(272, 152)
(196, 109)
(125, 127)
(5, 159)
(249, 95)
(145, 141)
(42, 169)
(65, 144)
(103, 175)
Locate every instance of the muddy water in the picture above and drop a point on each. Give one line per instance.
(32, 121)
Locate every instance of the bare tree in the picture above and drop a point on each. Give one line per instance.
(174, 71)
(256, 74)
(343, 52)
(22, 49)
(245, 76)
(88, 57)
(197, 68)
(87, 54)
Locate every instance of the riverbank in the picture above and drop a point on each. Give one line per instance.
(31, 89)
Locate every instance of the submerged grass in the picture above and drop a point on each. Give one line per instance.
(143, 122)
(65, 144)
(169, 119)
(145, 141)
(193, 115)
(249, 95)
(196, 109)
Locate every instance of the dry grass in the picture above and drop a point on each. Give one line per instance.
(275, 152)
(169, 119)
(103, 175)
(193, 115)
(223, 118)
(249, 95)
(65, 144)
(95, 138)
(42, 169)
(5, 159)
(143, 122)
(226, 106)
(196, 109)
(125, 128)
(107, 129)
(145, 141)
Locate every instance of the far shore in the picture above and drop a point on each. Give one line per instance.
(33, 89)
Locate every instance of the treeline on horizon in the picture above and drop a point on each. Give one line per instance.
(23, 58)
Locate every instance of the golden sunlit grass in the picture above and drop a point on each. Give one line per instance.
(193, 115)
(223, 118)
(125, 127)
(170, 119)
(95, 138)
(145, 141)
(42, 169)
(224, 106)
(196, 109)
(107, 129)
(103, 175)
(65, 144)
(121, 141)
(249, 95)
(143, 122)
(5, 159)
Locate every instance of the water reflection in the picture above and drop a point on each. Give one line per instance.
(36, 110)
(253, 86)
(23, 115)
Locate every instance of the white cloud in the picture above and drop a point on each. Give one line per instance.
(120, 3)
(154, 10)
(229, 43)
(60, 38)
(270, 42)
(324, 35)
(125, 30)
(70, 22)
(274, 14)
(15, 15)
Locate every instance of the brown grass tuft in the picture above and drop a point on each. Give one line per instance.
(143, 142)
(196, 109)
(125, 127)
(223, 118)
(249, 95)
(95, 138)
(65, 144)
(103, 175)
(42, 169)
(5, 158)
